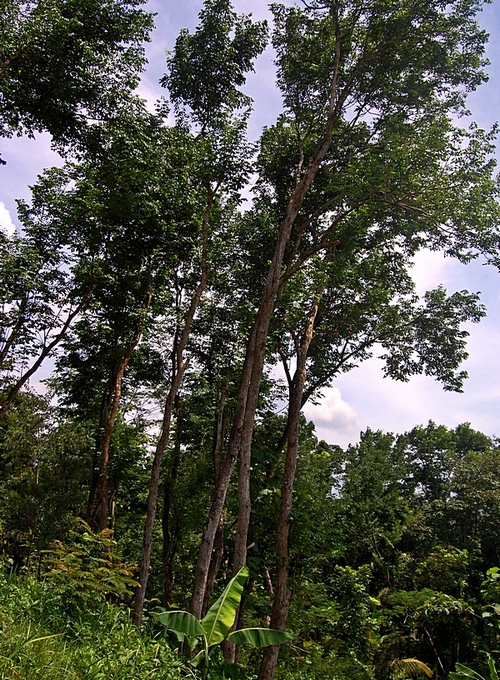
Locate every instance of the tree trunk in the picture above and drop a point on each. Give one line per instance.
(215, 562)
(110, 422)
(179, 367)
(92, 507)
(282, 592)
(218, 551)
(242, 430)
(170, 536)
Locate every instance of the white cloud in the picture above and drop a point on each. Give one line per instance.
(334, 418)
(6, 223)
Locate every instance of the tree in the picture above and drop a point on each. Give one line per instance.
(67, 62)
(225, 46)
(146, 241)
(332, 176)
(44, 465)
(335, 179)
(40, 301)
(129, 200)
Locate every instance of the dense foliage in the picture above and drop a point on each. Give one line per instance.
(162, 303)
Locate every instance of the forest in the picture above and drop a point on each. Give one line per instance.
(166, 509)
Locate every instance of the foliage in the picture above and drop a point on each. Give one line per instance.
(463, 672)
(44, 470)
(490, 592)
(223, 49)
(215, 626)
(146, 276)
(97, 641)
(86, 54)
(89, 567)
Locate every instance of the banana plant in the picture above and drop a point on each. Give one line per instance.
(464, 673)
(215, 627)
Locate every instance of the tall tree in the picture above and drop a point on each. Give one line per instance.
(40, 300)
(118, 214)
(360, 81)
(223, 48)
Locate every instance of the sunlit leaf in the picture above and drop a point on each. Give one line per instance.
(259, 637)
(220, 617)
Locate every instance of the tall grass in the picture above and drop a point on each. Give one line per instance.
(46, 635)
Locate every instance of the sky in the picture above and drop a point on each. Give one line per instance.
(362, 398)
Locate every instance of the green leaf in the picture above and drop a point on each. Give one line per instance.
(493, 670)
(195, 661)
(259, 637)
(220, 617)
(464, 672)
(182, 623)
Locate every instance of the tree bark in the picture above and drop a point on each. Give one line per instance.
(282, 592)
(170, 535)
(218, 551)
(94, 478)
(178, 370)
(215, 562)
(242, 430)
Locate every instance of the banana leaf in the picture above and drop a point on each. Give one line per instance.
(492, 668)
(220, 617)
(462, 672)
(182, 624)
(259, 637)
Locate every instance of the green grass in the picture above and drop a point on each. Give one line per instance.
(47, 636)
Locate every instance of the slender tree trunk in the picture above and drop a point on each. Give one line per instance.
(220, 429)
(108, 430)
(94, 485)
(241, 433)
(170, 538)
(94, 479)
(282, 592)
(179, 367)
(215, 562)
(111, 419)
(218, 551)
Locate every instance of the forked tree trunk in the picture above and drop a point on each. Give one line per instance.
(282, 592)
(242, 430)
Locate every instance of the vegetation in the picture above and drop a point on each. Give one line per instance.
(215, 627)
(164, 304)
(46, 634)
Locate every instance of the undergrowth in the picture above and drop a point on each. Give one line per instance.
(47, 635)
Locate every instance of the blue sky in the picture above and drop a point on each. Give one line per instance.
(362, 398)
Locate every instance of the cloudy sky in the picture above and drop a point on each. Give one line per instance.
(362, 398)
